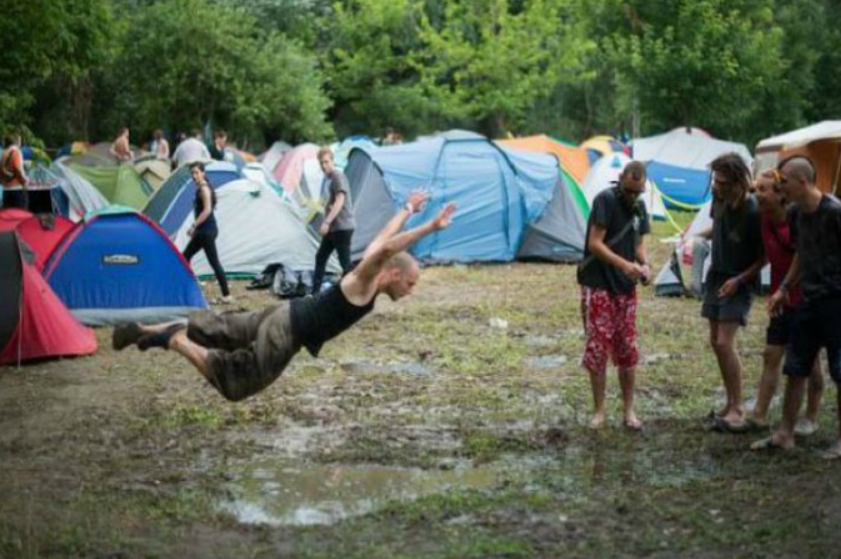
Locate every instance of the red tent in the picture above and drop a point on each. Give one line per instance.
(41, 233)
(34, 323)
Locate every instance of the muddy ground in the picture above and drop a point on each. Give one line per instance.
(427, 431)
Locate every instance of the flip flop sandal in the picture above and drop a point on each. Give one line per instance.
(737, 428)
(767, 444)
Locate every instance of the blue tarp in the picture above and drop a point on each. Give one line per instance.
(498, 194)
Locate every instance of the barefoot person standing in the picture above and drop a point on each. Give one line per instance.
(240, 354)
(779, 252)
(615, 259)
(816, 226)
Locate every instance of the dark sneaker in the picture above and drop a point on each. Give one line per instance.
(159, 339)
(126, 335)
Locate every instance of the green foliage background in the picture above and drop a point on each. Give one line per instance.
(317, 69)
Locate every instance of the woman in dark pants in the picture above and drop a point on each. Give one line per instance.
(204, 231)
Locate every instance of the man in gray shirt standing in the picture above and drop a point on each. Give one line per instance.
(338, 225)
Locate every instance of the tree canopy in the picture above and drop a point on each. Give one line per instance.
(316, 69)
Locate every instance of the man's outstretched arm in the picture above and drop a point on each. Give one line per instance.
(413, 205)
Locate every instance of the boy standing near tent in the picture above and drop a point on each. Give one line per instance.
(615, 259)
(338, 225)
(240, 354)
(779, 249)
(816, 224)
(12, 174)
(736, 260)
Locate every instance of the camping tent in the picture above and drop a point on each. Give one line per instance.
(257, 227)
(820, 142)
(341, 150)
(34, 324)
(573, 162)
(272, 157)
(678, 163)
(152, 170)
(496, 199)
(120, 185)
(599, 146)
(173, 201)
(300, 175)
(75, 196)
(41, 233)
(118, 266)
(607, 170)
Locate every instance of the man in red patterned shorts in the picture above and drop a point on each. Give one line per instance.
(615, 259)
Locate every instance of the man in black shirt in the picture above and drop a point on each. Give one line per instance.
(815, 222)
(242, 353)
(615, 260)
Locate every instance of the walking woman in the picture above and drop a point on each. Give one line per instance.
(204, 231)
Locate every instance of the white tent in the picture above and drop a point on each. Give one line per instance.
(272, 157)
(256, 228)
(605, 172)
(81, 195)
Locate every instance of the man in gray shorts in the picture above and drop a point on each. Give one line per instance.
(241, 353)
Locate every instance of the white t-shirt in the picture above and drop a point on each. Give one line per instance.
(190, 151)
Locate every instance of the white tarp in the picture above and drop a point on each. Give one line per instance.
(606, 171)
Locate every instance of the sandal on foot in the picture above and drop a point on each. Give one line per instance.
(159, 339)
(126, 335)
(767, 443)
(721, 425)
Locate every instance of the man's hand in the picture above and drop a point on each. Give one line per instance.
(632, 270)
(324, 229)
(776, 301)
(192, 231)
(646, 274)
(729, 288)
(416, 201)
(443, 219)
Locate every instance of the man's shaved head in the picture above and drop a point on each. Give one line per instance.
(403, 261)
(799, 168)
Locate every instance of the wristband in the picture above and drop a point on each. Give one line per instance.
(408, 207)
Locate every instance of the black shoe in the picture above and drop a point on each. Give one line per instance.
(126, 335)
(159, 339)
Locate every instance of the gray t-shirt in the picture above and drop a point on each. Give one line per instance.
(737, 238)
(344, 221)
(817, 236)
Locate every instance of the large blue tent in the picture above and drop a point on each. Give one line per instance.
(500, 193)
(118, 266)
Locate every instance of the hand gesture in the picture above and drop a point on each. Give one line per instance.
(443, 219)
(417, 200)
(729, 288)
(633, 271)
(776, 301)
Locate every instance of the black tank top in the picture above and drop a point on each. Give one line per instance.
(209, 225)
(318, 319)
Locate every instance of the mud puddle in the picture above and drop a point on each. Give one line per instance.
(546, 362)
(277, 492)
(411, 368)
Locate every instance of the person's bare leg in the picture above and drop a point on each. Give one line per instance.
(731, 369)
(815, 392)
(627, 378)
(772, 366)
(714, 345)
(155, 328)
(195, 354)
(598, 383)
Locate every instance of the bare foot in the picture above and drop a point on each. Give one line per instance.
(733, 416)
(598, 421)
(632, 423)
(775, 441)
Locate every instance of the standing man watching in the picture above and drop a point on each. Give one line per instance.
(615, 259)
(815, 222)
(220, 142)
(338, 225)
(191, 150)
(12, 174)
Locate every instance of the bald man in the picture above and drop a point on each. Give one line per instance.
(815, 222)
(242, 353)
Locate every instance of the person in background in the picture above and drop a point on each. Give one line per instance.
(217, 149)
(204, 231)
(160, 146)
(120, 147)
(815, 221)
(736, 260)
(779, 251)
(191, 150)
(13, 174)
(615, 259)
(338, 225)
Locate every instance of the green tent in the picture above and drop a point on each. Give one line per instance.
(119, 185)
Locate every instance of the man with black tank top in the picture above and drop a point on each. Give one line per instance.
(241, 353)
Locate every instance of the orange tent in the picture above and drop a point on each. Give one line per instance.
(820, 142)
(573, 159)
